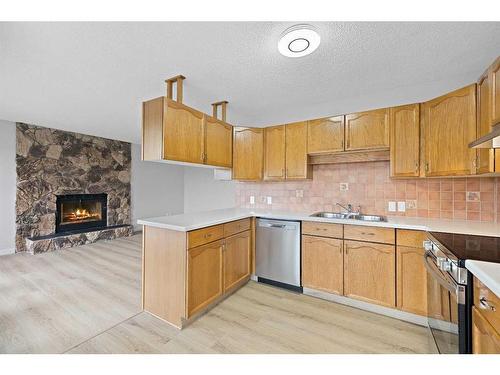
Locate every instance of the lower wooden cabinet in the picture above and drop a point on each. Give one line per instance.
(237, 259)
(322, 264)
(485, 339)
(369, 272)
(204, 276)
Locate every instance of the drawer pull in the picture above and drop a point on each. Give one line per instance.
(485, 304)
(208, 235)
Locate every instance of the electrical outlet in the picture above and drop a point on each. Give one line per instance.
(473, 196)
(392, 207)
(252, 199)
(344, 186)
(269, 200)
(411, 204)
(401, 206)
(299, 193)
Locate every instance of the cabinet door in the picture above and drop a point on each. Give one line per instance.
(183, 133)
(404, 122)
(248, 154)
(449, 124)
(495, 91)
(204, 279)
(274, 155)
(323, 264)
(486, 157)
(325, 135)
(411, 283)
(485, 339)
(367, 130)
(296, 151)
(236, 259)
(369, 272)
(219, 143)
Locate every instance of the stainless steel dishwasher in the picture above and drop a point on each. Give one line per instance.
(277, 253)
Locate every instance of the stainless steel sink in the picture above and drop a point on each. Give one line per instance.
(330, 215)
(339, 215)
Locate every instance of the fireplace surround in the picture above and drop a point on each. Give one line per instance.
(79, 212)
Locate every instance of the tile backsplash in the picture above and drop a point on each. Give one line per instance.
(368, 185)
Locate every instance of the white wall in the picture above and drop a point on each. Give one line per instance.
(7, 186)
(202, 192)
(157, 188)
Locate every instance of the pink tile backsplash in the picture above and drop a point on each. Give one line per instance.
(471, 198)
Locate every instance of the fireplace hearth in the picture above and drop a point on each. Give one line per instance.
(77, 212)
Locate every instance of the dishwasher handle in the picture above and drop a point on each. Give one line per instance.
(274, 225)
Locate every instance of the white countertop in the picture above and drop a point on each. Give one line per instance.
(196, 220)
(487, 272)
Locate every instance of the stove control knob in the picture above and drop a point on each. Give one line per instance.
(427, 245)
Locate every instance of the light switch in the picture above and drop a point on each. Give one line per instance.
(392, 207)
(401, 206)
(269, 200)
(252, 199)
(299, 193)
(344, 186)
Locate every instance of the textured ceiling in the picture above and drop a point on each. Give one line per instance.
(92, 77)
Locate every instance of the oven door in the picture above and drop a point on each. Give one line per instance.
(443, 308)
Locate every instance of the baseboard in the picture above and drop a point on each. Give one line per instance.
(7, 251)
(387, 311)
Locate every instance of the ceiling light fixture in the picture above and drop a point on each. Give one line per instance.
(298, 41)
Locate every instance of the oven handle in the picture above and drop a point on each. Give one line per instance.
(445, 281)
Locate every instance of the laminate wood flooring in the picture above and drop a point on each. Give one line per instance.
(87, 300)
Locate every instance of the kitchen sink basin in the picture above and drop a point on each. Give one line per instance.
(339, 215)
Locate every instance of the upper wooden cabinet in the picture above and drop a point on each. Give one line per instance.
(274, 153)
(296, 167)
(219, 142)
(285, 152)
(404, 123)
(248, 154)
(448, 126)
(495, 91)
(183, 133)
(325, 135)
(367, 130)
(173, 131)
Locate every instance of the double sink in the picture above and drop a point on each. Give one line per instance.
(352, 216)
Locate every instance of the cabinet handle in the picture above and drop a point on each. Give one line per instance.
(208, 235)
(427, 166)
(416, 166)
(485, 304)
(342, 145)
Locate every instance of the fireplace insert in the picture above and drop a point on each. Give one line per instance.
(75, 212)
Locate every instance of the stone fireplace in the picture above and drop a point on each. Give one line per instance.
(71, 188)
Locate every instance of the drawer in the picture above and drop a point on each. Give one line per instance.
(487, 303)
(370, 234)
(322, 229)
(236, 227)
(205, 235)
(410, 238)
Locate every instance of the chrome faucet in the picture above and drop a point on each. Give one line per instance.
(350, 212)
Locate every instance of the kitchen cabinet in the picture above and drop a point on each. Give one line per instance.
(286, 152)
(495, 91)
(404, 124)
(367, 130)
(369, 272)
(485, 339)
(237, 259)
(296, 167)
(322, 264)
(325, 135)
(411, 281)
(448, 126)
(204, 276)
(274, 153)
(219, 143)
(248, 154)
(173, 131)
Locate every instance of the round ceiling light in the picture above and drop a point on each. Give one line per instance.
(298, 41)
